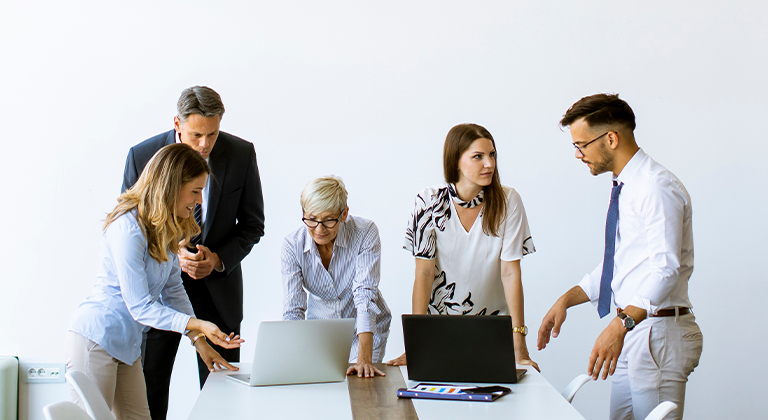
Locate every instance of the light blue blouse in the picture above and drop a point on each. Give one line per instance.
(132, 293)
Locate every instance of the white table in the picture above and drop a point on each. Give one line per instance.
(532, 398)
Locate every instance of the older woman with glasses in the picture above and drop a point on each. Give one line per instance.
(331, 269)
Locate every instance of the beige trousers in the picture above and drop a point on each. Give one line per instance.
(654, 365)
(122, 385)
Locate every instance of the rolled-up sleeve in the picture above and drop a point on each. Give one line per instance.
(365, 285)
(662, 211)
(590, 283)
(127, 250)
(295, 297)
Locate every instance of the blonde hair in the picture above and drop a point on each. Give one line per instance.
(155, 197)
(324, 194)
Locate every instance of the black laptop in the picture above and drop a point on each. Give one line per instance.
(455, 348)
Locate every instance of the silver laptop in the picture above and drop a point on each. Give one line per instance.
(300, 352)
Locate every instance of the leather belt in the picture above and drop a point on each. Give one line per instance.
(665, 312)
(671, 312)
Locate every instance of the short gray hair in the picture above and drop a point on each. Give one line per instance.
(323, 195)
(200, 100)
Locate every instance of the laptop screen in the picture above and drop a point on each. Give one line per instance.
(453, 348)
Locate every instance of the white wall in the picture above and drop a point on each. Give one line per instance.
(367, 91)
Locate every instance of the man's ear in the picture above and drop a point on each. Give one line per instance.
(177, 124)
(614, 138)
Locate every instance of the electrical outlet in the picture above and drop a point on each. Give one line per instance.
(35, 373)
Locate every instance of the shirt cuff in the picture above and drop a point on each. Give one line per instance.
(180, 322)
(364, 322)
(643, 303)
(587, 285)
(220, 270)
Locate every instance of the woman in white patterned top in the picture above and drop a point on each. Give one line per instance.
(331, 269)
(468, 237)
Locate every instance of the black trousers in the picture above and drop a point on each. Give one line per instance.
(160, 347)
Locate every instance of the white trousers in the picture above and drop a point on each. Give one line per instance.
(121, 385)
(654, 365)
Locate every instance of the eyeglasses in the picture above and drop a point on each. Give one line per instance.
(581, 149)
(328, 224)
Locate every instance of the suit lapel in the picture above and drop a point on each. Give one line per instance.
(218, 164)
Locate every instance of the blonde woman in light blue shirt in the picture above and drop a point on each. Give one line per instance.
(139, 283)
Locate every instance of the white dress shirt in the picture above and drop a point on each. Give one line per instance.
(132, 293)
(349, 288)
(654, 240)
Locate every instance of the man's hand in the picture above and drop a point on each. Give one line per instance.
(551, 323)
(605, 354)
(200, 264)
(554, 319)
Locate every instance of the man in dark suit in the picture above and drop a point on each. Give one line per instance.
(232, 221)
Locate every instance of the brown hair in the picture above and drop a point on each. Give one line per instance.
(155, 197)
(600, 109)
(457, 142)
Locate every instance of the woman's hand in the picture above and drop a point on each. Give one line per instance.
(211, 357)
(525, 359)
(213, 333)
(399, 361)
(364, 369)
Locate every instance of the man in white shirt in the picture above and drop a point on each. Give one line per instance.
(653, 344)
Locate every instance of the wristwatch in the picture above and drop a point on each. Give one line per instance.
(627, 321)
(522, 330)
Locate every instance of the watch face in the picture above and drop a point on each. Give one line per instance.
(629, 323)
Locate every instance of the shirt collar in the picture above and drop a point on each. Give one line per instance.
(342, 237)
(631, 168)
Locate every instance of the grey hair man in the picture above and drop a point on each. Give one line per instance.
(231, 218)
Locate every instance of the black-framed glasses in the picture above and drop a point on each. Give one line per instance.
(581, 149)
(328, 224)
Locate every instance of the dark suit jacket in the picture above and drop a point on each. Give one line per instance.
(235, 216)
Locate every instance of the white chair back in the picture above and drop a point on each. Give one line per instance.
(64, 410)
(94, 402)
(661, 410)
(570, 391)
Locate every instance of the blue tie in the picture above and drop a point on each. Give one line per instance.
(604, 303)
(199, 219)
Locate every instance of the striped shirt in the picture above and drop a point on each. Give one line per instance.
(349, 288)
